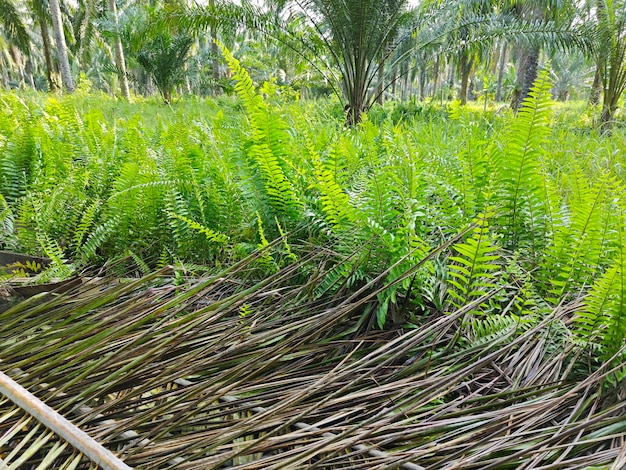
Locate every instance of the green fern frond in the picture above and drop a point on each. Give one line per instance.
(143, 268)
(86, 222)
(579, 241)
(291, 256)
(489, 329)
(59, 268)
(603, 316)
(472, 271)
(265, 260)
(519, 181)
(211, 235)
(335, 202)
(8, 237)
(269, 139)
(164, 259)
(97, 237)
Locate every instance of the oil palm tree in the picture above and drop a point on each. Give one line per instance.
(12, 23)
(120, 61)
(16, 36)
(610, 56)
(559, 12)
(39, 10)
(59, 35)
(358, 38)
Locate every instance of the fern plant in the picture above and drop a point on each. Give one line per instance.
(336, 205)
(519, 179)
(268, 144)
(602, 320)
(473, 269)
(583, 236)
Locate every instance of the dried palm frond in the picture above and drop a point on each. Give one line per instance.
(264, 375)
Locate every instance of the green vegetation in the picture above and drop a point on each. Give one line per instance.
(209, 182)
(282, 223)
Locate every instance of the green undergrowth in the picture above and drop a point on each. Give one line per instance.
(534, 204)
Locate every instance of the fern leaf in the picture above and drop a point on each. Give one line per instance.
(519, 176)
(269, 139)
(335, 202)
(603, 315)
(472, 271)
(211, 235)
(579, 240)
(85, 223)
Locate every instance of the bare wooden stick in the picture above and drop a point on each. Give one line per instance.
(58, 424)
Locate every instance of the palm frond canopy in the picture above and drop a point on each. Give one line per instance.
(358, 39)
(13, 23)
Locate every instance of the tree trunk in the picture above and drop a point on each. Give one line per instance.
(501, 69)
(596, 88)
(29, 73)
(4, 75)
(405, 86)
(120, 62)
(436, 78)
(215, 52)
(64, 63)
(47, 53)
(465, 67)
(422, 83)
(381, 84)
(526, 76)
(609, 107)
(17, 60)
(606, 119)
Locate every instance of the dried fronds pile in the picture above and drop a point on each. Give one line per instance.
(222, 372)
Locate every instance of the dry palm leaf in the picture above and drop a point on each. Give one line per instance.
(261, 375)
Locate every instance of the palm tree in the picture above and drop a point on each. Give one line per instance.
(59, 35)
(120, 61)
(12, 23)
(357, 38)
(560, 12)
(40, 13)
(468, 51)
(17, 38)
(610, 56)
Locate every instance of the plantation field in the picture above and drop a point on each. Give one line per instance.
(488, 247)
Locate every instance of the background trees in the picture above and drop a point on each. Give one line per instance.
(362, 50)
(610, 55)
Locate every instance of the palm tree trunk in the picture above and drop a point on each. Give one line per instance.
(29, 72)
(436, 78)
(465, 67)
(17, 60)
(527, 74)
(64, 63)
(596, 88)
(215, 52)
(120, 63)
(4, 75)
(501, 68)
(380, 79)
(47, 53)
(606, 118)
